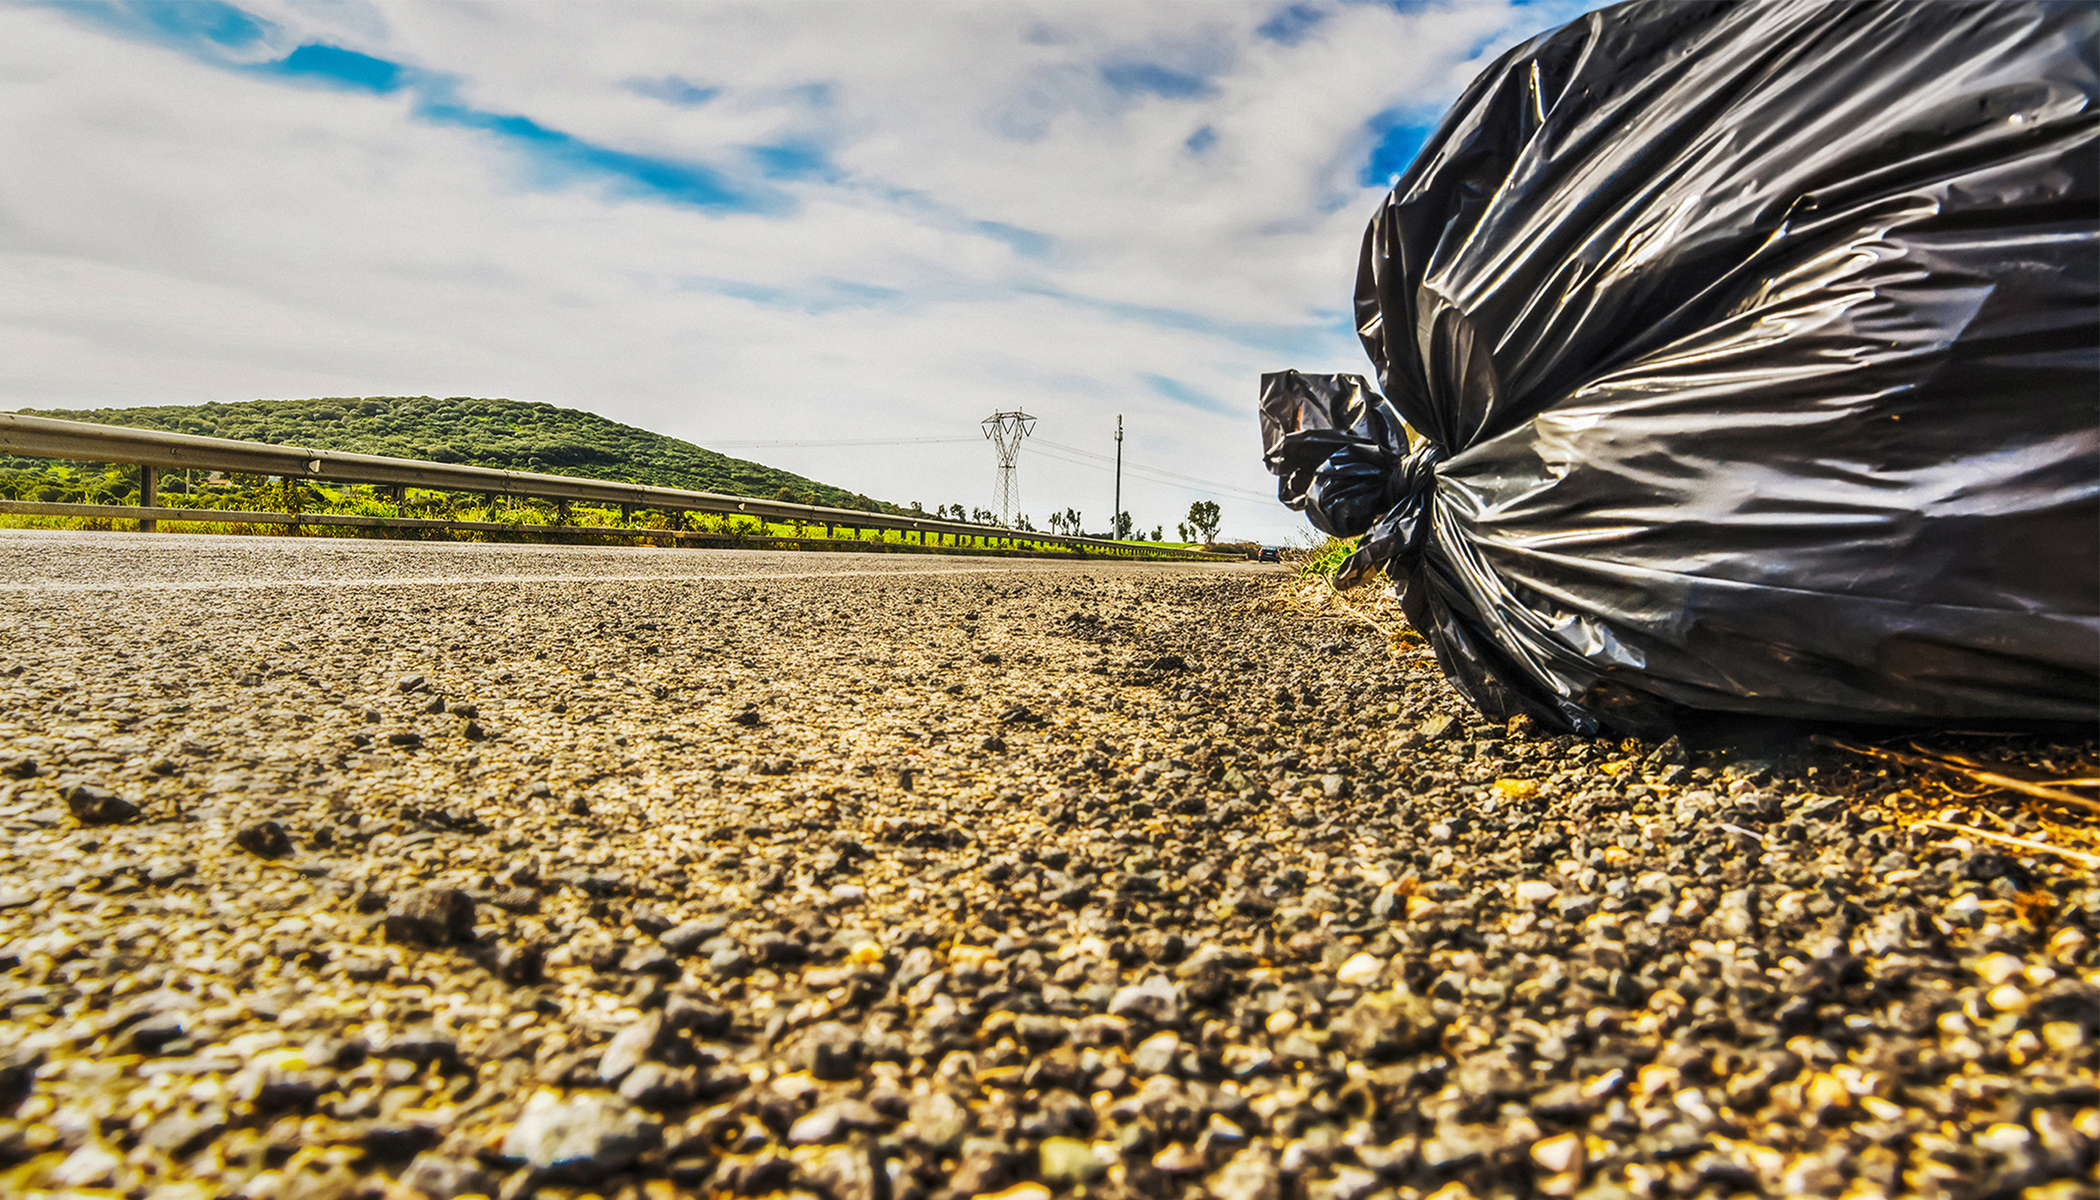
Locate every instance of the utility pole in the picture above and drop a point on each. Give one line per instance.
(1005, 430)
(1115, 514)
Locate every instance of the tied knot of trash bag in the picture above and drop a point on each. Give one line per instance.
(1339, 457)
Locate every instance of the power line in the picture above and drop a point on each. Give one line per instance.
(1153, 474)
(1149, 475)
(910, 441)
(1086, 458)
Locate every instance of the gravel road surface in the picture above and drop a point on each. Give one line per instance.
(339, 868)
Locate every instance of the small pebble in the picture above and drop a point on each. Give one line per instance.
(1361, 970)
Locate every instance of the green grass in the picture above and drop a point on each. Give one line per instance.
(1323, 560)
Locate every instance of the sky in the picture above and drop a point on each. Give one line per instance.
(831, 237)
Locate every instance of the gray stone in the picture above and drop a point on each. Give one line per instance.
(432, 916)
(830, 1051)
(940, 1122)
(1249, 1175)
(442, 1178)
(650, 960)
(582, 1139)
(850, 1173)
(630, 1048)
(1455, 1145)
(1733, 917)
(99, 806)
(149, 1035)
(517, 900)
(420, 1044)
(1385, 1025)
(686, 1014)
(1347, 1183)
(1490, 1074)
(521, 963)
(93, 1165)
(654, 1085)
(1156, 1055)
(179, 1135)
(264, 839)
(835, 1121)
(1896, 929)
(1155, 999)
(18, 1068)
(985, 1164)
(683, 940)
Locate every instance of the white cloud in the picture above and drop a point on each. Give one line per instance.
(175, 228)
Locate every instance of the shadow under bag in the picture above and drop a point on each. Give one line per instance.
(1754, 354)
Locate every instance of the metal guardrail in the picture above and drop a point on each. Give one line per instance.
(154, 450)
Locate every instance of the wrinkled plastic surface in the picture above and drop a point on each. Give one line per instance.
(1755, 353)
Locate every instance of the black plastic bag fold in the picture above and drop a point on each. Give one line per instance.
(1754, 350)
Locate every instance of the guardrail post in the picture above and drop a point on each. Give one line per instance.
(627, 514)
(399, 493)
(149, 486)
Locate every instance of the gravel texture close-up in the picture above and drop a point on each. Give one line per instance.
(366, 869)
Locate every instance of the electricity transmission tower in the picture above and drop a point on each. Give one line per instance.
(1005, 430)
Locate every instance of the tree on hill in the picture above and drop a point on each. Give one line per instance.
(1204, 519)
(506, 434)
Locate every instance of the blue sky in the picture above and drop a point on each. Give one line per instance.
(733, 223)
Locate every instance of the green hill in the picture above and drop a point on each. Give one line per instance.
(485, 433)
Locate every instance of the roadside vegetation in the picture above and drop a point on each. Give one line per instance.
(501, 434)
(525, 519)
(1375, 604)
(505, 434)
(1323, 560)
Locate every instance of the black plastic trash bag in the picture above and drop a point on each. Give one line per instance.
(1755, 353)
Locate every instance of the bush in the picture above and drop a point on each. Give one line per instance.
(1323, 560)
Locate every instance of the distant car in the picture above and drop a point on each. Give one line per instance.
(1269, 554)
